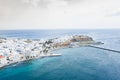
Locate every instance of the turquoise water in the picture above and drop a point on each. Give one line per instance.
(84, 63)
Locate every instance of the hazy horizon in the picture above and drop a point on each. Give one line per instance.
(59, 14)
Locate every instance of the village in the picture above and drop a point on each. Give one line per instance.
(17, 50)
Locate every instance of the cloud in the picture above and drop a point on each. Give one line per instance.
(47, 2)
(114, 14)
(25, 14)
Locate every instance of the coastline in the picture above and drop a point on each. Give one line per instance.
(52, 55)
(40, 48)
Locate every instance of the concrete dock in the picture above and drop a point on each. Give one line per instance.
(54, 55)
(105, 49)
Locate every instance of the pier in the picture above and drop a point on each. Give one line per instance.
(104, 49)
(54, 55)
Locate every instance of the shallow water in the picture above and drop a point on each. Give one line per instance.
(84, 63)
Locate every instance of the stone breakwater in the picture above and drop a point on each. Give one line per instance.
(17, 50)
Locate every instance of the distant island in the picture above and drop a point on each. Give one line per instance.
(17, 50)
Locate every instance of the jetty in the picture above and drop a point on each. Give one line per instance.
(54, 55)
(105, 49)
(18, 50)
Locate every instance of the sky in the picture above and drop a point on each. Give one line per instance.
(59, 14)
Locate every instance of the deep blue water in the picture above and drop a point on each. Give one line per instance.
(84, 63)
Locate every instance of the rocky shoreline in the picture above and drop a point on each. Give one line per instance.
(18, 50)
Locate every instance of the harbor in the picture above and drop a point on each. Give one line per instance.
(18, 50)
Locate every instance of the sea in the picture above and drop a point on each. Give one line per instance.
(82, 63)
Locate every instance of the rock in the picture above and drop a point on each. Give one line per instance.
(81, 38)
